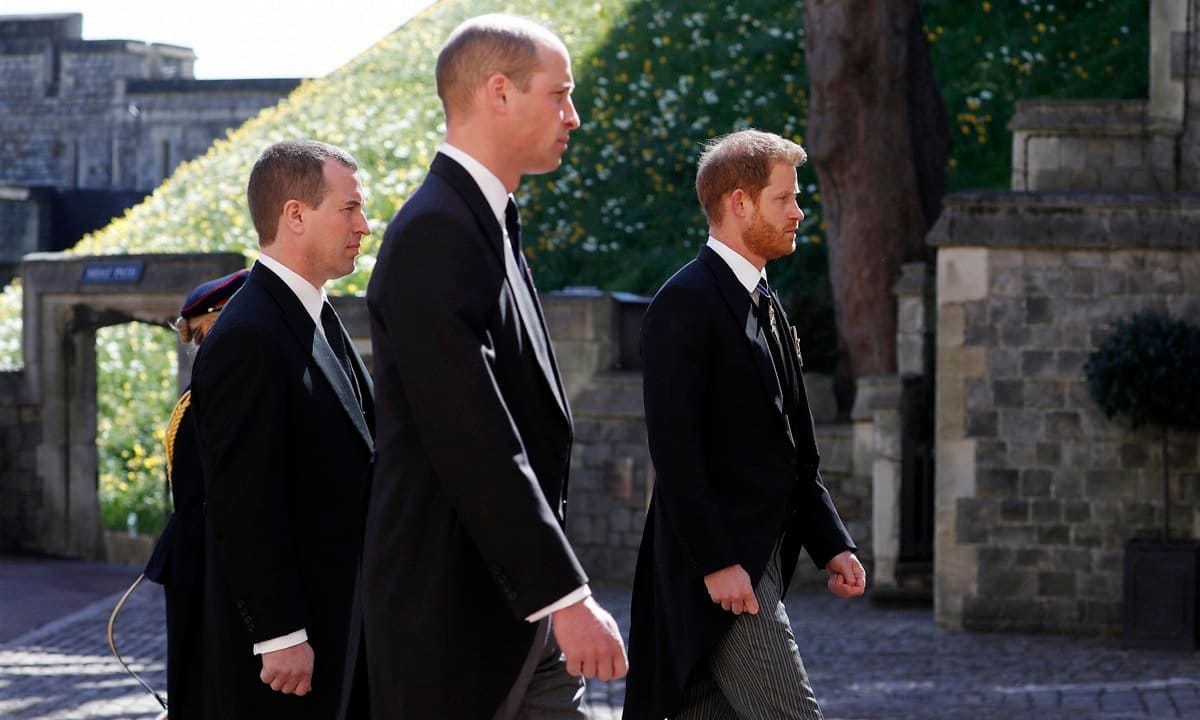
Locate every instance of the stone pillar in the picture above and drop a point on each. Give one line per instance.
(914, 311)
(877, 412)
(1168, 52)
(884, 399)
(1169, 91)
(962, 277)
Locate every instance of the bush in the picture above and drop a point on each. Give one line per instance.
(1149, 371)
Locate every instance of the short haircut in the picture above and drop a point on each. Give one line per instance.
(484, 46)
(743, 159)
(289, 170)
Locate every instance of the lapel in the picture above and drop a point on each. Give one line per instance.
(520, 287)
(741, 308)
(313, 343)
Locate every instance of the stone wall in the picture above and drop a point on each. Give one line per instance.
(20, 434)
(611, 472)
(98, 114)
(1091, 145)
(846, 473)
(24, 215)
(1036, 490)
(112, 116)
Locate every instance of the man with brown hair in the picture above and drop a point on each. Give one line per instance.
(474, 605)
(737, 492)
(284, 421)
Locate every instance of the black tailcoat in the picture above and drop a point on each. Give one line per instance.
(736, 461)
(464, 533)
(177, 563)
(286, 453)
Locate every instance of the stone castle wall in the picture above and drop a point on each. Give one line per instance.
(1038, 491)
(20, 434)
(102, 115)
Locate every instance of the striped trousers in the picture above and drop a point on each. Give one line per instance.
(756, 672)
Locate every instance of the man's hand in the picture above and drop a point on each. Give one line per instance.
(590, 640)
(847, 578)
(731, 589)
(289, 670)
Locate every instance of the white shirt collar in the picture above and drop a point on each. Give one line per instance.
(746, 273)
(490, 185)
(312, 298)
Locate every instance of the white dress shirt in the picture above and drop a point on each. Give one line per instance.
(312, 298)
(497, 199)
(746, 273)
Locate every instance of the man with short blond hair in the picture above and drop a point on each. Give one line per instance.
(474, 605)
(737, 490)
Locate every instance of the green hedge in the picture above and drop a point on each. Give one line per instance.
(654, 79)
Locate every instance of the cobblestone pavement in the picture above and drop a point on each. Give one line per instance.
(865, 663)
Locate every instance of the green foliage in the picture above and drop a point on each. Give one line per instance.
(1149, 371)
(654, 80)
(136, 385)
(987, 54)
(10, 326)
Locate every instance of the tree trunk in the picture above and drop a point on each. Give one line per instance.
(878, 136)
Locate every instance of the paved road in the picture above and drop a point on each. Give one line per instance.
(865, 663)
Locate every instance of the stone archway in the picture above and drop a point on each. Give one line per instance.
(66, 300)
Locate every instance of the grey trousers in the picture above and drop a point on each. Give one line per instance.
(544, 690)
(756, 672)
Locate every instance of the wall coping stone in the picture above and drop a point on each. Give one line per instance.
(41, 25)
(914, 278)
(1068, 220)
(876, 392)
(1080, 117)
(188, 85)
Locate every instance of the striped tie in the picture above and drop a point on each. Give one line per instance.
(767, 320)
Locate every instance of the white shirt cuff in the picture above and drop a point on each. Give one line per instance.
(282, 642)
(579, 593)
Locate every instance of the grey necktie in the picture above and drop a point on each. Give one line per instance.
(337, 341)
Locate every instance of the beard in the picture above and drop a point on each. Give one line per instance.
(768, 241)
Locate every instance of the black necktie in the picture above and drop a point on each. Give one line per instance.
(770, 325)
(512, 223)
(333, 334)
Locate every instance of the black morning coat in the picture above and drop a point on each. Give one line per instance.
(736, 462)
(464, 534)
(177, 563)
(286, 452)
